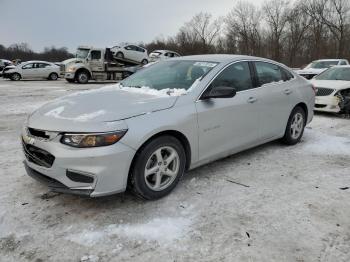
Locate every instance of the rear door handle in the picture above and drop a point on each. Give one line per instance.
(252, 100)
(288, 91)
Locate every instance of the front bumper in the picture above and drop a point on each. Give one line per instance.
(6, 75)
(69, 75)
(108, 167)
(327, 104)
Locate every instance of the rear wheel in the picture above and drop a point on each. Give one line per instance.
(53, 76)
(82, 77)
(15, 77)
(158, 168)
(295, 126)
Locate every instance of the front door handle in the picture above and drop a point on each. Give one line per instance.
(252, 100)
(288, 91)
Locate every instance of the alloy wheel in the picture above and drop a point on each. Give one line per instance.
(162, 168)
(297, 126)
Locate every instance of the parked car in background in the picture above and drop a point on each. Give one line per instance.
(131, 52)
(333, 90)
(317, 67)
(33, 70)
(3, 64)
(173, 116)
(158, 55)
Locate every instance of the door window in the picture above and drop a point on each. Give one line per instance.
(27, 66)
(343, 62)
(95, 55)
(236, 75)
(268, 73)
(42, 65)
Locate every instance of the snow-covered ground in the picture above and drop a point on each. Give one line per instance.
(291, 204)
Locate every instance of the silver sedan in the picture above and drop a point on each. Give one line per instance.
(175, 115)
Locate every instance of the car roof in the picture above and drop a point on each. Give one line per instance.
(36, 61)
(320, 60)
(222, 58)
(164, 51)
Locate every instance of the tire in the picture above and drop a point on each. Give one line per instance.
(70, 80)
(53, 76)
(120, 55)
(144, 62)
(295, 126)
(162, 176)
(16, 77)
(82, 77)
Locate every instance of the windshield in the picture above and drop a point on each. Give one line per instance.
(335, 73)
(82, 53)
(322, 64)
(169, 74)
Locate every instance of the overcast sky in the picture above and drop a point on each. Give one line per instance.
(99, 23)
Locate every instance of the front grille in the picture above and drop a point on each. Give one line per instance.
(62, 68)
(324, 91)
(320, 106)
(38, 156)
(38, 133)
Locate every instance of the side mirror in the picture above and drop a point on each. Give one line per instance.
(219, 92)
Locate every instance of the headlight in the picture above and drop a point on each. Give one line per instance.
(71, 69)
(92, 139)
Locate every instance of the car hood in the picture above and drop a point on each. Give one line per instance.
(311, 71)
(85, 111)
(332, 84)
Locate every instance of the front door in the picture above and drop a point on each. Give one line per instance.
(96, 61)
(29, 71)
(229, 124)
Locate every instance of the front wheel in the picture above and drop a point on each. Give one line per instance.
(82, 77)
(144, 62)
(158, 168)
(53, 76)
(295, 126)
(15, 77)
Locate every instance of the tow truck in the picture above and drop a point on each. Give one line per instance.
(97, 64)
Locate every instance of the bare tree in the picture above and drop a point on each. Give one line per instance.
(243, 23)
(202, 28)
(298, 24)
(276, 13)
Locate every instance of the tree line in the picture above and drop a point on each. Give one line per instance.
(293, 33)
(23, 52)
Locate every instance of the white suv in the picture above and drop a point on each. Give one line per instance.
(131, 52)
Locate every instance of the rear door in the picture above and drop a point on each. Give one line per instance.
(44, 70)
(274, 91)
(228, 124)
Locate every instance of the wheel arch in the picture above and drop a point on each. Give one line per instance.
(305, 108)
(82, 69)
(174, 133)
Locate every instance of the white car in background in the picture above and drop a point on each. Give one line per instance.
(159, 55)
(33, 70)
(333, 90)
(131, 52)
(317, 67)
